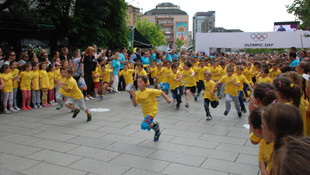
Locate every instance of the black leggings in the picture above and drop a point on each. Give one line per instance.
(89, 82)
(206, 105)
(177, 95)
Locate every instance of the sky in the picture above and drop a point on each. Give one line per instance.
(247, 15)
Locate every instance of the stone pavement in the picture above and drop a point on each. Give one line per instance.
(50, 142)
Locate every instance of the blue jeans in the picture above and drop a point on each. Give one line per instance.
(240, 93)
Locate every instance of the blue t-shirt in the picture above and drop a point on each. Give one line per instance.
(152, 58)
(294, 63)
(116, 64)
(168, 57)
(175, 56)
(122, 58)
(145, 60)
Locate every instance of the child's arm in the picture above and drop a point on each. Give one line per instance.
(1, 83)
(235, 83)
(213, 89)
(166, 97)
(32, 84)
(135, 77)
(134, 102)
(40, 83)
(262, 167)
(61, 84)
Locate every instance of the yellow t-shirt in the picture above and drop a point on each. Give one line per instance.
(165, 72)
(148, 101)
(61, 90)
(195, 69)
(274, 73)
(215, 73)
(127, 76)
(35, 78)
(160, 75)
(172, 83)
(248, 74)
(51, 76)
(222, 72)
(208, 87)
(25, 82)
(75, 92)
(200, 73)
(14, 74)
(242, 80)
(254, 138)
(153, 70)
(8, 82)
(267, 79)
(106, 75)
(180, 73)
(45, 81)
(96, 72)
(265, 152)
(189, 81)
(57, 75)
(230, 87)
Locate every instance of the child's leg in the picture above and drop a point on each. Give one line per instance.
(245, 89)
(50, 95)
(82, 106)
(28, 97)
(240, 93)
(173, 95)
(199, 86)
(236, 102)
(187, 92)
(44, 96)
(14, 98)
(10, 100)
(181, 90)
(38, 97)
(115, 83)
(206, 105)
(34, 98)
(177, 95)
(5, 100)
(24, 93)
(227, 101)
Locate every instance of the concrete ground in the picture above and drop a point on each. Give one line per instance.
(48, 142)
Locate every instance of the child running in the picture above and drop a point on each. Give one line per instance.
(70, 89)
(146, 97)
(208, 97)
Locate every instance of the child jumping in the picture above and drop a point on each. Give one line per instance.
(146, 97)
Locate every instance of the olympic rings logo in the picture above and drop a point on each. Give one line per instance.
(259, 36)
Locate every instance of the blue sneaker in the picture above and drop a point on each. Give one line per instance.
(157, 132)
(101, 97)
(58, 107)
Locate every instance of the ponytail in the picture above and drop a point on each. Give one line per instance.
(288, 90)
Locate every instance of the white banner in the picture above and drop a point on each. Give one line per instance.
(205, 41)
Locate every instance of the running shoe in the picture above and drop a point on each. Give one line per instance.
(75, 113)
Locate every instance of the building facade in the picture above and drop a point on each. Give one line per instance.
(132, 14)
(173, 21)
(203, 22)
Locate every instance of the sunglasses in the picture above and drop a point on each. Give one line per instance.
(12, 55)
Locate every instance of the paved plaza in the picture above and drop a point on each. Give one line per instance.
(49, 142)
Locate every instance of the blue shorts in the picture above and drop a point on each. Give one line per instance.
(161, 85)
(146, 123)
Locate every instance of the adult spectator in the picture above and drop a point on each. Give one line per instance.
(152, 56)
(97, 55)
(23, 59)
(136, 57)
(122, 60)
(293, 49)
(1, 58)
(55, 56)
(11, 57)
(174, 55)
(64, 54)
(88, 64)
(294, 61)
(115, 66)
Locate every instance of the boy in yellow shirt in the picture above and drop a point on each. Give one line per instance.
(174, 84)
(105, 75)
(14, 71)
(127, 74)
(208, 97)
(70, 89)
(243, 81)
(146, 97)
(264, 78)
(141, 72)
(159, 76)
(200, 76)
(232, 85)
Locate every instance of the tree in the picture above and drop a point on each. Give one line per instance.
(301, 9)
(179, 43)
(151, 32)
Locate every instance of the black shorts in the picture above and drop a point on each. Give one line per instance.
(192, 89)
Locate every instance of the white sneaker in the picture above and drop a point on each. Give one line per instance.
(13, 110)
(16, 108)
(35, 106)
(6, 111)
(39, 106)
(86, 99)
(91, 98)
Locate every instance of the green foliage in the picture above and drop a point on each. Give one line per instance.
(301, 9)
(151, 32)
(178, 43)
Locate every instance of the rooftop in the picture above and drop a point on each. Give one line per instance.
(166, 8)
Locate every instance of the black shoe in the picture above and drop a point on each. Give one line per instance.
(178, 106)
(75, 113)
(225, 113)
(239, 114)
(209, 117)
(89, 117)
(243, 110)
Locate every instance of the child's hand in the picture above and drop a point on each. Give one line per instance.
(252, 105)
(212, 93)
(169, 101)
(32, 87)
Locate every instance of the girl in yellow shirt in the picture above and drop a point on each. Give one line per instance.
(26, 84)
(7, 91)
(35, 91)
(44, 84)
(51, 84)
(146, 97)
(15, 72)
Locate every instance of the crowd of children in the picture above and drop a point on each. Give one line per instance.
(278, 95)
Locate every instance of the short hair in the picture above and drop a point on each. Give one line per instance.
(102, 66)
(208, 73)
(143, 78)
(140, 64)
(69, 69)
(188, 64)
(293, 54)
(265, 70)
(239, 67)
(174, 65)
